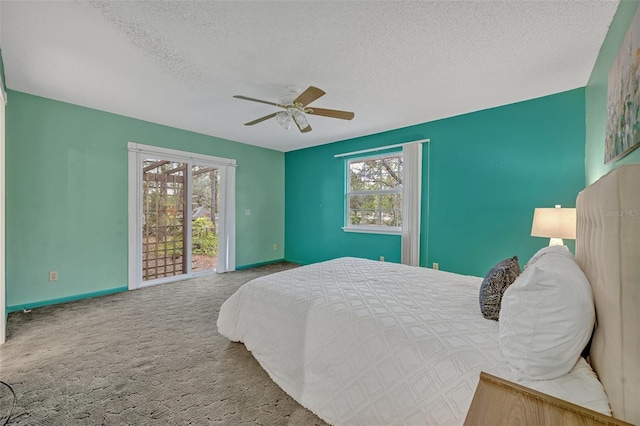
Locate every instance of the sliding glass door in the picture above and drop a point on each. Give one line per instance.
(205, 187)
(164, 205)
(181, 215)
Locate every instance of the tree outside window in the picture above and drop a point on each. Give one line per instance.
(374, 192)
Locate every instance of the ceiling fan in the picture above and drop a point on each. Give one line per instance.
(295, 109)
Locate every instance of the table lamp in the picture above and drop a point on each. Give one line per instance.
(554, 223)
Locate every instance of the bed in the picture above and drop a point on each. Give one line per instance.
(365, 342)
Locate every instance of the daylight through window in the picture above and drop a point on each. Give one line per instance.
(374, 192)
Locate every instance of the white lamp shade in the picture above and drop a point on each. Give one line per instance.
(300, 119)
(554, 223)
(284, 119)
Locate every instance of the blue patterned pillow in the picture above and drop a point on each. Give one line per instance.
(495, 283)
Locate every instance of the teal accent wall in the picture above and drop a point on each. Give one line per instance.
(596, 96)
(66, 196)
(488, 171)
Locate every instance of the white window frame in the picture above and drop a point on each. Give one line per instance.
(226, 243)
(370, 229)
(3, 207)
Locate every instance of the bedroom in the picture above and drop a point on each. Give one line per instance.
(52, 209)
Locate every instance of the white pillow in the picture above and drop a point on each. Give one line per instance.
(563, 250)
(547, 317)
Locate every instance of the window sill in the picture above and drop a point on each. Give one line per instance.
(373, 230)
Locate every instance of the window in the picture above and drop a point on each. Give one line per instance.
(169, 192)
(374, 194)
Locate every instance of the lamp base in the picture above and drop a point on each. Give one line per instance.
(556, 242)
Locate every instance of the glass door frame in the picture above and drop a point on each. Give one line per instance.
(226, 232)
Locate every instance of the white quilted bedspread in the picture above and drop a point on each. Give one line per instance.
(360, 342)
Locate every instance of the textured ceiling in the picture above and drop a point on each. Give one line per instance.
(393, 63)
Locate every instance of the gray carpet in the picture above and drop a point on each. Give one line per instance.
(145, 357)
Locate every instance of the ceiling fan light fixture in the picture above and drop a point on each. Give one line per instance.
(292, 93)
(301, 119)
(284, 119)
(295, 109)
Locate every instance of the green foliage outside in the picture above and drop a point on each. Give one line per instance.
(204, 240)
(163, 203)
(166, 213)
(375, 187)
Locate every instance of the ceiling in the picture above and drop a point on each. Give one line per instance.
(394, 63)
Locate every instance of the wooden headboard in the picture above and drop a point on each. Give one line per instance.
(608, 250)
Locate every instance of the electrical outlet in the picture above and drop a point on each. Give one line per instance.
(436, 266)
(275, 246)
(53, 275)
(381, 258)
(247, 212)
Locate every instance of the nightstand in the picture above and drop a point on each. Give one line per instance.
(499, 402)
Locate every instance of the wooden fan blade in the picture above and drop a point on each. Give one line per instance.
(261, 119)
(255, 100)
(308, 96)
(302, 130)
(333, 113)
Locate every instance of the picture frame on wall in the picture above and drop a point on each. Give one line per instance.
(623, 98)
